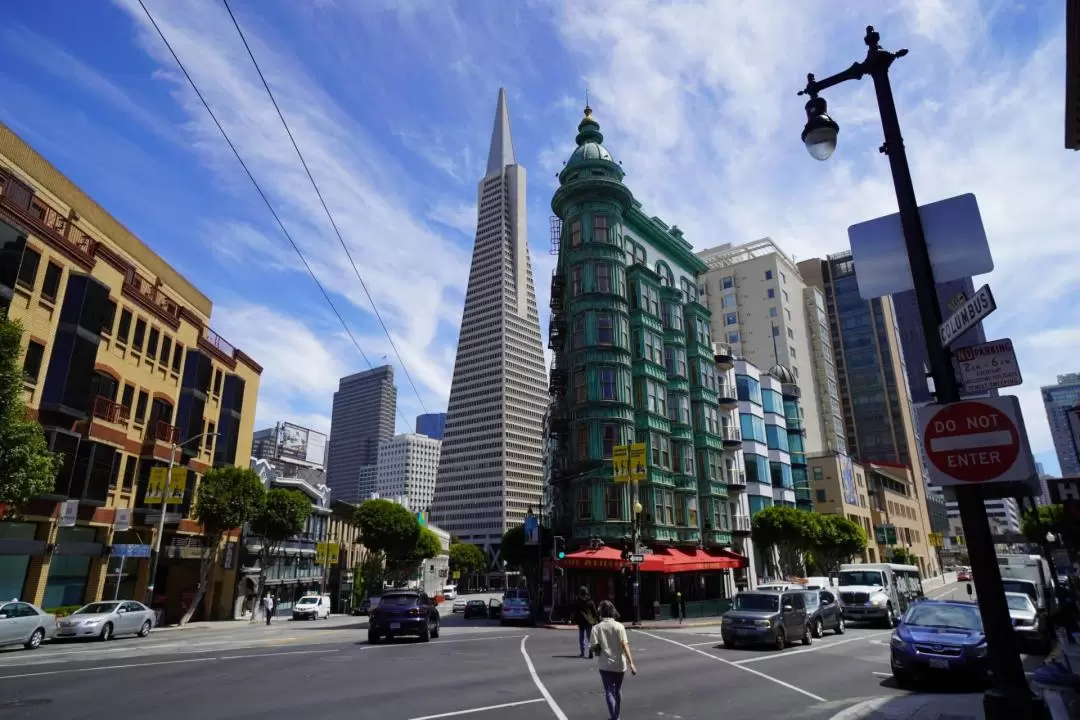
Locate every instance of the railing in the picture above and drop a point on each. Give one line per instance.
(740, 523)
(109, 411)
(802, 493)
(162, 431)
(726, 391)
(721, 349)
(737, 477)
(44, 219)
(151, 293)
(218, 342)
(731, 434)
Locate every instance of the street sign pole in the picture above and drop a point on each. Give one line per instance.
(1011, 698)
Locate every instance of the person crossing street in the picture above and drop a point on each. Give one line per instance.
(609, 642)
(585, 617)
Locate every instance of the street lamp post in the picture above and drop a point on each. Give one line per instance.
(636, 541)
(1010, 698)
(156, 550)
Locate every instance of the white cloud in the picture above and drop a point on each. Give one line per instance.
(459, 216)
(698, 99)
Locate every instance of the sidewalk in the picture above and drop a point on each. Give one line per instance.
(968, 706)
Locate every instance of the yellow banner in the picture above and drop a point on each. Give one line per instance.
(620, 463)
(639, 462)
(936, 539)
(158, 486)
(326, 553)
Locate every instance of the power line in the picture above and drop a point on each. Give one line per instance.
(326, 208)
(259, 189)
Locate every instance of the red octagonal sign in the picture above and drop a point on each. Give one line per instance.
(971, 441)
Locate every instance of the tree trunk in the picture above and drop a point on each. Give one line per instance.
(260, 586)
(207, 564)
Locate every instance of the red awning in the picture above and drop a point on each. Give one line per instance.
(667, 561)
(604, 558)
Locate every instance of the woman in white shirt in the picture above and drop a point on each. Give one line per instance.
(612, 650)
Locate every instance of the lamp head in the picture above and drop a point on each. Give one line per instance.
(638, 508)
(819, 134)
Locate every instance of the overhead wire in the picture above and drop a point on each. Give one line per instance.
(259, 189)
(322, 201)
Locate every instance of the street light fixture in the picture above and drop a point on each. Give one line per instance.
(636, 527)
(1011, 697)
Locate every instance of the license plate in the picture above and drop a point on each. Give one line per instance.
(395, 626)
(940, 663)
(743, 631)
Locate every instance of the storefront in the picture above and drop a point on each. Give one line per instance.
(18, 545)
(74, 553)
(702, 580)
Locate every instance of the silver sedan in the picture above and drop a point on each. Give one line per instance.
(24, 624)
(106, 620)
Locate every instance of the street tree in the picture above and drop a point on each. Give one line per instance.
(519, 556)
(228, 497)
(834, 540)
(27, 467)
(403, 567)
(787, 532)
(902, 556)
(390, 533)
(282, 515)
(466, 559)
(1046, 518)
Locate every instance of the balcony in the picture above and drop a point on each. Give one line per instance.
(790, 391)
(716, 537)
(162, 432)
(151, 297)
(736, 478)
(802, 494)
(722, 354)
(726, 394)
(109, 411)
(18, 202)
(740, 524)
(218, 346)
(731, 435)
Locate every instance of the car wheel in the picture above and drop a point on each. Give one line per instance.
(372, 637)
(145, 629)
(35, 640)
(819, 628)
(435, 630)
(890, 617)
(729, 644)
(841, 625)
(781, 640)
(807, 636)
(425, 632)
(106, 633)
(902, 679)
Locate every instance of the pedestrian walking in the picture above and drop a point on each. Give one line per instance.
(609, 642)
(585, 617)
(268, 607)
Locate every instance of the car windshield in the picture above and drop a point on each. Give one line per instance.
(307, 601)
(861, 577)
(1019, 602)
(757, 603)
(97, 608)
(953, 617)
(476, 603)
(516, 595)
(813, 599)
(495, 603)
(399, 600)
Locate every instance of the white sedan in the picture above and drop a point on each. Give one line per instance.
(24, 624)
(459, 605)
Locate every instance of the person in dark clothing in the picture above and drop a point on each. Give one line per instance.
(585, 617)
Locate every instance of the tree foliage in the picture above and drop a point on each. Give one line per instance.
(787, 532)
(834, 540)
(228, 497)
(1047, 518)
(902, 556)
(387, 527)
(466, 559)
(402, 568)
(27, 467)
(282, 515)
(519, 556)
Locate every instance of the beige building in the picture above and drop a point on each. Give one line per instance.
(897, 503)
(121, 368)
(838, 487)
(763, 308)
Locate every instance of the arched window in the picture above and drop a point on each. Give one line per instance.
(666, 278)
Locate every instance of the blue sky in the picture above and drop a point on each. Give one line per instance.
(392, 104)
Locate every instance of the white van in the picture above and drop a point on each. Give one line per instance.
(449, 592)
(878, 591)
(312, 607)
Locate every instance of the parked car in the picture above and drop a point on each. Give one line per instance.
(515, 607)
(401, 613)
(823, 612)
(476, 608)
(449, 592)
(106, 620)
(939, 637)
(460, 604)
(771, 618)
(24, 624)
(963, 575)
(494, 609)
(312, 607)
(1028, 623)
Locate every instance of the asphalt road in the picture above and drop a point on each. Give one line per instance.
(476, 669)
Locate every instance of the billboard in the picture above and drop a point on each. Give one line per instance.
(300, 443)
(847, 481)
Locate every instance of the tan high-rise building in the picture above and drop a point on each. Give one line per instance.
(877, 410)
(121, 368)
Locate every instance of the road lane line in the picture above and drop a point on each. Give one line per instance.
(540, 685)
(717, 641)
(270, 654)
(812, 648)
(752, 671)
(881, 674)
(106, 667)
(438, 642)
(479, 709)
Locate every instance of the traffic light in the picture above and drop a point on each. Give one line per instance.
(559, 547)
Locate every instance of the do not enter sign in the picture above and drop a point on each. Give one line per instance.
(976, 441)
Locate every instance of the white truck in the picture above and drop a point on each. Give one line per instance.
(1035, 570)
(878, 592)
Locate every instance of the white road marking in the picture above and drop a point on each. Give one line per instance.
(438, 642)
(752, 671)
(479, 709)
(106, 667)
(812, 648)
(881, 674)
(271, 654)
(540, 685)
(711, 642)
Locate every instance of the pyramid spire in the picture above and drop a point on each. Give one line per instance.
(501, 151)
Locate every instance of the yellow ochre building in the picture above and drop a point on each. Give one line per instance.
(120, 365)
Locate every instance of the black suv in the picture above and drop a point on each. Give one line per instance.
(403, 612)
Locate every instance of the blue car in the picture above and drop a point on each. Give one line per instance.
(939, 637)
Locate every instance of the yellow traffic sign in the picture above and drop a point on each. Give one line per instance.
(639, 462)
(620, 463)
(936, 540)
(159, 486)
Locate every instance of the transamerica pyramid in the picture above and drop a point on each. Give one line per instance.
(491, 465)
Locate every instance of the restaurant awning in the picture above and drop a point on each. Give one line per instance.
(667, 560)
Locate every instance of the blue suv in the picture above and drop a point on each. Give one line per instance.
(403, 612)
(939, 637)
